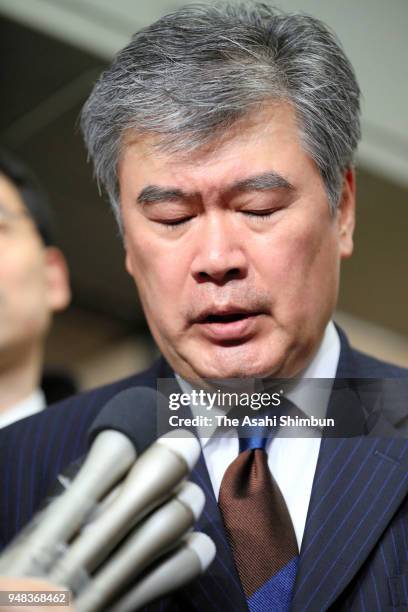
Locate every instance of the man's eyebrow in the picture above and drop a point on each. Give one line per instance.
(153, 193)
(258, 182)
(262, 182)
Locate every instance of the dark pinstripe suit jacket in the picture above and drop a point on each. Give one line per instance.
(354, 552)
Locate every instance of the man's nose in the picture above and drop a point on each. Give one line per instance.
(220, 254)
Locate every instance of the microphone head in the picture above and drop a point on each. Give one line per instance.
(193, 497)
(184, 443)
(203, 546)
(133, 412)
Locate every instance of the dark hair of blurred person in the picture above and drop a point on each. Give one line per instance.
(33, 285)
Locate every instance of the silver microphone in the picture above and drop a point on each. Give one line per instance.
(120, 496)
(152, 538)
(150, 481)
(116, 440)
(180, 567)
(37, 547)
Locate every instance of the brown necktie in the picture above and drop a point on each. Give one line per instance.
(259, 528)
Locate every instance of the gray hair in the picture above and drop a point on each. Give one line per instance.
(193, 73)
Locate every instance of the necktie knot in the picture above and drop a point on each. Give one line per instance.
(255, 441)
(256, 435)
(263, 424)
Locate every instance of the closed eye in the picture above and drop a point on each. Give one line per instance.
(173, 223)
(260, 214)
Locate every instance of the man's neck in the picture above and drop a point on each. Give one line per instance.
(19, 377)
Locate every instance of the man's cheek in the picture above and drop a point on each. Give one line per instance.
(284, 266)
(157, 291)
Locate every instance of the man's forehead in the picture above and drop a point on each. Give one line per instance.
(255, 124)
(230, 158)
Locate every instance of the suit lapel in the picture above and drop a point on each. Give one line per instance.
(358, 487)
(359, 483)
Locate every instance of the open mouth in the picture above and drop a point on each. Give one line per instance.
(226, 318)
(229, 327)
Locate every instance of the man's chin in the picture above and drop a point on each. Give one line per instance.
(227, 366)
(259, 357)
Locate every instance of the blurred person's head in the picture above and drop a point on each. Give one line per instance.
(33, 272)
(225, 138)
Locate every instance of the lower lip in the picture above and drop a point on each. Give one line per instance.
(234, 330)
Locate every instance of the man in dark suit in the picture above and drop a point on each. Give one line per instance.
(225, 140)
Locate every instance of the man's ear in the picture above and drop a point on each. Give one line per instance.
(128, 259)
(346, 214)
(57, 278)
(128, 264)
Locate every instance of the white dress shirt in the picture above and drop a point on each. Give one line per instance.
(292, 461)
(32, 404)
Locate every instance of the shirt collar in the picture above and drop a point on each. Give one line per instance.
(311, 398)
(30, 405)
